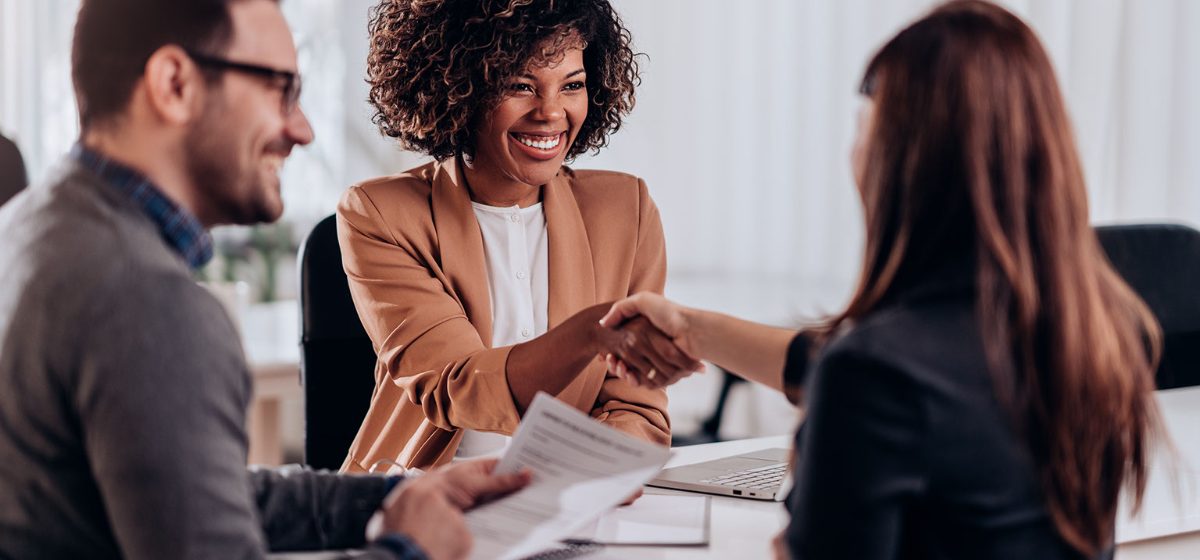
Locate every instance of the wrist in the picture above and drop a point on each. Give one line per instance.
(401, 546)
(694, 333)
(596, 336)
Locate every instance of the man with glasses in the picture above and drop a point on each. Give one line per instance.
(123, 387)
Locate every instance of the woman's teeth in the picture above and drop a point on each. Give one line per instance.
(539, 142)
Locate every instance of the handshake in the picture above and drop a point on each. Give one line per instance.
(645, 339)
(649, 341)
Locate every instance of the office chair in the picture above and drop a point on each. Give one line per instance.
(1161, 262)
(12, 170)
(337, 361)
(710, 426)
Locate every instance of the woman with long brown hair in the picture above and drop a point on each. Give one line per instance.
(988, 390)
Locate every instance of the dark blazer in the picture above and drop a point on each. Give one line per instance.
(12, 170)
(906, 451)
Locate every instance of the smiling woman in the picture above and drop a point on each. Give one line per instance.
(524, 140)
(480, 277)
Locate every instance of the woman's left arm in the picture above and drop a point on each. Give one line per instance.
(641, 411)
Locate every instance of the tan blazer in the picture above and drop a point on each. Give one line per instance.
(414, 257)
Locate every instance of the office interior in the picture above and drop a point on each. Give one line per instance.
(742, 131)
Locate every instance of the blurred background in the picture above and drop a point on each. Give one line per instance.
(742, 130)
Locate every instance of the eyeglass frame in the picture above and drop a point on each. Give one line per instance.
(291, 80)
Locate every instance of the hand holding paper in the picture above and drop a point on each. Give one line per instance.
(430, 508)
(580, 468)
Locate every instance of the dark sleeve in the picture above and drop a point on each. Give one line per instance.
(302, 509)
(796, 368)
(396, 546)
(859, 461)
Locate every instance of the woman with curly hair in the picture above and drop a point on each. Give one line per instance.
(480, 276)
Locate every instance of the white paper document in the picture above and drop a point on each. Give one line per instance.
(655, 519)
(581, 468)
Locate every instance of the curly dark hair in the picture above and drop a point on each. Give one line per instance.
(436, 67)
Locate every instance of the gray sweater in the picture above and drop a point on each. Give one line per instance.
(123, 397)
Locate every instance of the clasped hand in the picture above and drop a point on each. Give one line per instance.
(646, 346)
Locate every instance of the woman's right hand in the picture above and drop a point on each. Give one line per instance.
(662, 314)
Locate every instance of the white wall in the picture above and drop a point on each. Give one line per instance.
(743, 122)
(742, 130)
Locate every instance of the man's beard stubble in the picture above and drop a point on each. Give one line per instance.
(230, 190)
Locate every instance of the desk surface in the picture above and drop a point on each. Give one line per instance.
(744, 528)
(740, 528)
(1171, 504)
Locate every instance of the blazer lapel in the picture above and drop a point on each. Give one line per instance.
(461, 246)
(572, 277)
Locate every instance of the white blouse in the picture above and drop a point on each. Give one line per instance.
(515, 247)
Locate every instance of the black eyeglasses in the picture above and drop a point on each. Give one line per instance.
(289, 80)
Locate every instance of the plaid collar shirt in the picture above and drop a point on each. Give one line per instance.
(179, 228)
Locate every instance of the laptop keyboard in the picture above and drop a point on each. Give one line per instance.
(758, 478)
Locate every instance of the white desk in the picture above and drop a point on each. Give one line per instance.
(1167, 529)
(739, 528)
(1168, 526)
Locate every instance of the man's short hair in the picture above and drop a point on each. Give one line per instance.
(114, 39)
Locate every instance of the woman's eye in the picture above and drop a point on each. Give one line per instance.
(520, 87)
(574, 86)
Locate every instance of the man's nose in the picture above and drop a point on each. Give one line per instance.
(297, 127)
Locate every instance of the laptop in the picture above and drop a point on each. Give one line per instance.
(757, 475)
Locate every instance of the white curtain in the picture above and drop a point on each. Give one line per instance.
(743, 123)
(746, 116)
(37, 107)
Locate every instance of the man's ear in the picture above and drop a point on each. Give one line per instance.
(174, 85)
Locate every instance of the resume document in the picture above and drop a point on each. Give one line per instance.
(581, 469)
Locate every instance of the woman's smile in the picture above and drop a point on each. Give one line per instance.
(539, 146)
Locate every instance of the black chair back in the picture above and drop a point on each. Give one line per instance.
(1162, 264)
(337, 361)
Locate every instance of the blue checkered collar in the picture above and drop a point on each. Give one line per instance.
(179, 228)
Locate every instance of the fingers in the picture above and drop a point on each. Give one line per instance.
(779, 547)
(644, 379)
(632, 498)
(671, 352)
(491, 487)
(622, 310)
(635, 350)
(471, 483)
(647, 353)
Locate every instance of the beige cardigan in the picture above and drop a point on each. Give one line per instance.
(414, 257)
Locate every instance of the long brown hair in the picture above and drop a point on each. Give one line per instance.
(971, 157)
